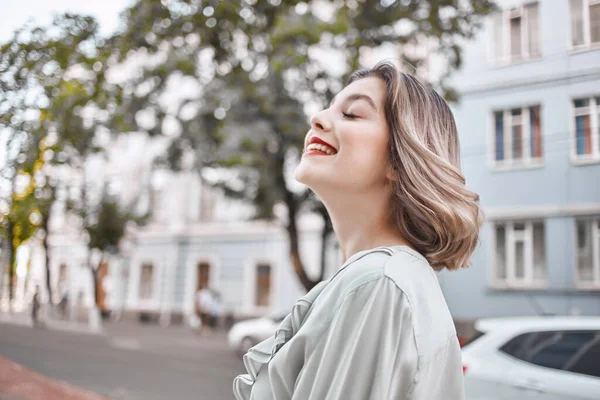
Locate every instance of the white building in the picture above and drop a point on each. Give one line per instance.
(196, 238)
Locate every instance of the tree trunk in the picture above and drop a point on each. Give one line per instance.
(3, 272)
(325, 232)
(95, 272)
(47, 256)
(11, 262)
(94, 319)
(292, 228)
(95, 278)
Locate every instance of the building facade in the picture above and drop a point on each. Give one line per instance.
(529, 124)
(197, 238)
(247, 263)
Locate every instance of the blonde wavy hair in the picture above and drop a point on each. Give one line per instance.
(433, 209)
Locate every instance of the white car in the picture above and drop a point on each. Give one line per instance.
(542, 358)
(246, 334)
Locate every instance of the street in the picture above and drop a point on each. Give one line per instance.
(130, 362)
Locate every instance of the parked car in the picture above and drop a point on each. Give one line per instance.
(245, 334)
(542, 358)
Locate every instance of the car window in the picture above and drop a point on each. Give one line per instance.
(587, 362)
(516, 346)
(575, 351)
(559, 349)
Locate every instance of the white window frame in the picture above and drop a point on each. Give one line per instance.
(508, 162)
(587, 32)
(512, 237)
(595, 283)
(593, 110)
(506, 15)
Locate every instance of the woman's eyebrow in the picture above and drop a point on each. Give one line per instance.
(357, 96)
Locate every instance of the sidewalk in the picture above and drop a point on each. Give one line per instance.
(130, 335)
(23, 319)
(20, 383)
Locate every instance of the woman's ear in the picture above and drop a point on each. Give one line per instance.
(391, 174)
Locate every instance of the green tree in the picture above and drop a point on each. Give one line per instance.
(105, 227)
(17, 226)
(105, 221)
(53, 107)
(258, 65)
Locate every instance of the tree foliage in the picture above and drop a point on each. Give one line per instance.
(54, 102)
(259, 65)
(231, 84)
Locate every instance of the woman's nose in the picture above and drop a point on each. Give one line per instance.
(320, 122)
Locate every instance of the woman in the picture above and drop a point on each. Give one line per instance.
(384, 159)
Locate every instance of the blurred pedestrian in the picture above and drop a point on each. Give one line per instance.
(35, 307)
(215, 307)
(203, 305)
(64, 300)
(384, 158)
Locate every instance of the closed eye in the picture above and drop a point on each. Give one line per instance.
(349, 115)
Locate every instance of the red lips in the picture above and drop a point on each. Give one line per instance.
(314, 139)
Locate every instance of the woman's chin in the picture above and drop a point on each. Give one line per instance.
(316, 176)
(300, 173)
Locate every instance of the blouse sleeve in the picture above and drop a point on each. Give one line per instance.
(368, 351)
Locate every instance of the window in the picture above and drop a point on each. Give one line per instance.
(62, 277)
(585, 22)
(586, 135)
(588, 361)
(516, 34)
(520, 253)
(588, 252)
(575, 351)
(203, 275)
(146, 282)
(517, 136)
(556, 351)
(515, 347)
(263, 285)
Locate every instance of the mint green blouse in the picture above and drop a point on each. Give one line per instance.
(378, 329)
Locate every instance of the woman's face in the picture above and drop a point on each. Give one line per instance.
(346, 148)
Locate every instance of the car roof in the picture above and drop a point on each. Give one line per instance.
(537, 323)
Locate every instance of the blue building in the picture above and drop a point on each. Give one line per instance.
(529, 123)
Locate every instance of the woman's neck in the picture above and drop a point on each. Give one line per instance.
(363, 223)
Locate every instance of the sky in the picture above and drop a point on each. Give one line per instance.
(15, 13)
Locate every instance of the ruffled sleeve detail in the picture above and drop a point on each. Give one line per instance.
(262, 353)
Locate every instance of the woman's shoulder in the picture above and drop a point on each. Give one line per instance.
(413, 275)
(365, 268)
(409, 269)
(400, 278)
(398, 263)
(419, 283)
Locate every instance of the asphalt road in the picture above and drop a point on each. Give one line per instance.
(128, 365)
